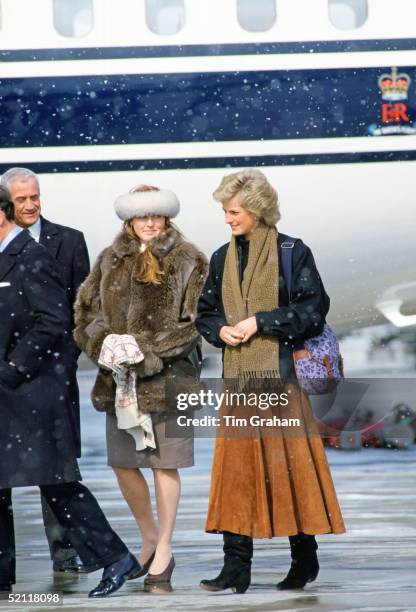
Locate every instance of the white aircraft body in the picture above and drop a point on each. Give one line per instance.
(97, 97)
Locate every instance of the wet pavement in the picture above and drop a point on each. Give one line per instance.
(371, 567)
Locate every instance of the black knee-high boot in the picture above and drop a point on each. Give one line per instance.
(305, 566)
(236, 573)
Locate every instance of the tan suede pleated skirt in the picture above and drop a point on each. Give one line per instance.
(273, 480)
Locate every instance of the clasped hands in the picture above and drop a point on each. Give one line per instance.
(240, 333)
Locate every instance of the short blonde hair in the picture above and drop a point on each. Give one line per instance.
(257, 195)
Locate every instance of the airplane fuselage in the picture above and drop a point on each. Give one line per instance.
(330, 117)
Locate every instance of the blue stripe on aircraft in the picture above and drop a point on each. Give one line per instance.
(198, 163)
(315, 46)
(196, 107)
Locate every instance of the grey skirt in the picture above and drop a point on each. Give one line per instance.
(170, 453)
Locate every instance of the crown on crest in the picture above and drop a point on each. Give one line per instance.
(394, 86)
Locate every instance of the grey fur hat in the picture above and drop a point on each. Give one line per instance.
(143, 203)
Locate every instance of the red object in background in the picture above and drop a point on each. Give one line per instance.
(331, 434)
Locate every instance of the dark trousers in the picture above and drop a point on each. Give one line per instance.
(60, 546)
(78, 511)
(59, 542)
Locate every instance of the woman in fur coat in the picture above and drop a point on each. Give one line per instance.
(265, 482)
(146, 286)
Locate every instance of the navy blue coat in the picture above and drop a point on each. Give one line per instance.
(36, 440)
(68, 247)
(292, 323)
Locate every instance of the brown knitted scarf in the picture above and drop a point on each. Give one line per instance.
(259, 357)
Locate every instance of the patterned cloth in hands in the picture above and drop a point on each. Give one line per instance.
(118, 354)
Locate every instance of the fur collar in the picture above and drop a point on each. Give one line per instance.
(124, 245)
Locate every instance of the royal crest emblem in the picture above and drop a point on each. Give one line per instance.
(395, 115)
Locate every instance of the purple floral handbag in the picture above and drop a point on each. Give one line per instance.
(318, 363)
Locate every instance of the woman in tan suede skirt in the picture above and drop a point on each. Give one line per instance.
(265, 481)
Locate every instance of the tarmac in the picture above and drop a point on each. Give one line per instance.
(372, 567)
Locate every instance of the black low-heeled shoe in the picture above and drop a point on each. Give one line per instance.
(236, 571)
(240, 583)
(115, 576)
(5, 590)
(299, 574)
(305, 566)
(235, 575)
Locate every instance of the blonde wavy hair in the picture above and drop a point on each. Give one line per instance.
(257, 195)
(149, 268)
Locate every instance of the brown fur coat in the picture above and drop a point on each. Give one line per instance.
(160, 317)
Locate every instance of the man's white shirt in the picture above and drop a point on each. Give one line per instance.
(35, 229)
(10, 236)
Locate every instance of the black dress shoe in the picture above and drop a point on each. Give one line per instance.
(5, 589)
(115, 575)
(73, 565)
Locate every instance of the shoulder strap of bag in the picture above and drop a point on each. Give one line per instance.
(286, 260)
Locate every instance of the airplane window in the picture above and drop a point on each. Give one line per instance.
(73, 19)
(348, 14)
(165, 16)
(257, 16)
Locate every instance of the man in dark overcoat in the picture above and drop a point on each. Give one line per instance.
(35, 448)
(68, 247)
